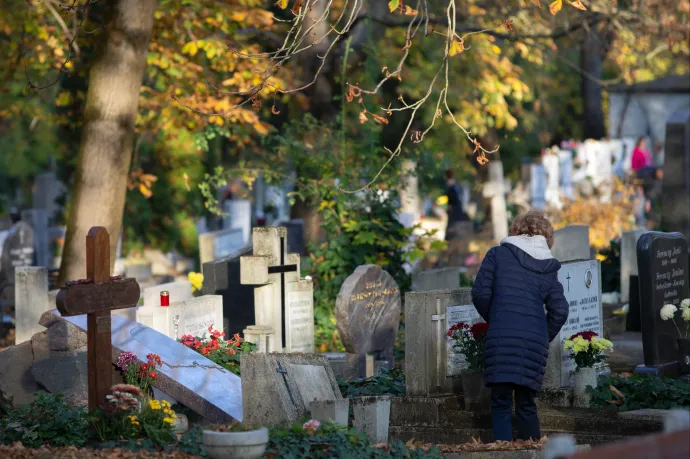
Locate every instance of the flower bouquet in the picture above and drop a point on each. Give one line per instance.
(468, 340)
(139, 375)
(668, 312)
(587, 349)
(214, 347)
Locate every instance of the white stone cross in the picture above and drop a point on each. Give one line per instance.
(270, 269)
(495, 189)
(439, 319)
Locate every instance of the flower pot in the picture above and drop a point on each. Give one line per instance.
(475, 393)
(583, 377)
(683, 355)
(372, 417)
(235, 445)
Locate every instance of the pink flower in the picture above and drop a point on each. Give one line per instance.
(311, 426)
(125, 359)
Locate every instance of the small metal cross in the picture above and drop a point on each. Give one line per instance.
(284, 373)
(438, 318)
(568, 281)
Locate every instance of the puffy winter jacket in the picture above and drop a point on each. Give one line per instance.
(514, 283)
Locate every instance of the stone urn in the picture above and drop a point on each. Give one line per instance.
(372, 417)
(683, 356)
(181, 424)
(235, 445)
(584, 377)
(475, 393)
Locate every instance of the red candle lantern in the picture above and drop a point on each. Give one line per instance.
(165, 298)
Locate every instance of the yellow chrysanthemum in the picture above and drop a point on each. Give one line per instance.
(133, 420)
(568, 345)
(601, 344)
(169, 420)
(197, 281)
(442, 200)
(154, 404)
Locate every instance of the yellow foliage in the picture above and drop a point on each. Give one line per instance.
(606, 220)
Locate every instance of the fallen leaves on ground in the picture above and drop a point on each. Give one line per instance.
(477, 445)
(18, 451)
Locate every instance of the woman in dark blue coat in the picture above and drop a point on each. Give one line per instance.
(516, 280)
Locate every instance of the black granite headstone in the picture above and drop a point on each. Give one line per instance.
(18, 250)
(663, 271)
(222, 277)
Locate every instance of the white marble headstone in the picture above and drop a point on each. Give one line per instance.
(191, 317)
(454, 315)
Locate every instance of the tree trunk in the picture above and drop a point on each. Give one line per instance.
(112, 102)
(591, 58)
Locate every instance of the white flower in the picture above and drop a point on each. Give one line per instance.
(668, 311)
(686, 314)
(685, 304)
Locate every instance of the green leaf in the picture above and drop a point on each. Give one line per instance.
(393, 5)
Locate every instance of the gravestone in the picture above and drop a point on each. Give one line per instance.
(219, 244)
(239, 217)
(437, 279)
(566, 168)
(277, 388)
(409, 189)
(676, 185)
(185, 375)
(495, 190)
(222, 277)
(537, 186)
(180, 290)
(582, 289)
(189, 317)
(430, 363)
(276, 275)
(38, 220)
(31, 301)
(18, 250)
(96, 296)
(571, 243)
(367, 313)
(552, 194)
(629, 265)
(662, 260)
(299, 317)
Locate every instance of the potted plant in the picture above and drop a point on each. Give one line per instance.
(468, 340)
(587, 349)
(667, 313)
(234, 441)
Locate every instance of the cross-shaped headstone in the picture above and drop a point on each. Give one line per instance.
(96, 296)
(270, 268)
(440, 340)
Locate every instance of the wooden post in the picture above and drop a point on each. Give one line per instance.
(96, 296)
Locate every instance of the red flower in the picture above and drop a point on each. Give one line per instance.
(144, 367)
(459, 326)
(152, 374)
(230, 351)
(197, 344)
(479, 329)
(205, 351)
(237, 337)
(586, 335)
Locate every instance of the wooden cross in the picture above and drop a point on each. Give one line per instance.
(96, 296)
(439, 318)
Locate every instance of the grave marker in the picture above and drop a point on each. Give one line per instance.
(662, 260)
(537, 186)
(96, 296)
(582, 288)
(276, 274)
(31, 301)
(496, 189)
(367, 313)
(430, 363)
(18, 250)
(676, 185)
(190, 317)
(222, 277)
(628, 261)
(218, 244)
(277, 388)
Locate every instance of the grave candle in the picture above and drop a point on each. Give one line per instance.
(165, 298)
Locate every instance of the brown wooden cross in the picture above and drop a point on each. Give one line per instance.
(96, 296)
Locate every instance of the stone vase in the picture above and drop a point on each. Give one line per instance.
(584, 377)
(475, 393)
(235, 445)
(683, 355)
(372, 417)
